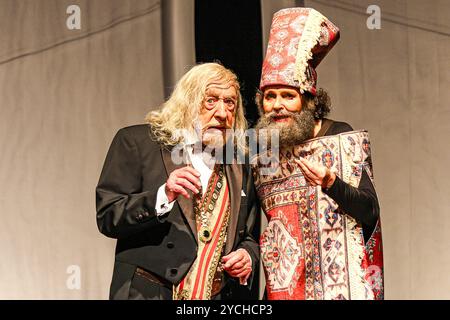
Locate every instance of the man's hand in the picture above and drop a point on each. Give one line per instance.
(316, 174)
(238, 264)
(180, 181)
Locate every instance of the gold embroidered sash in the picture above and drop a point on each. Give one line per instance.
(198, 283)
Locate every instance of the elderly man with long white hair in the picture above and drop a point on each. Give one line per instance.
(183, 228)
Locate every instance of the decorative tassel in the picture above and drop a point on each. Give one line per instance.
(310, 37)
(359, 287)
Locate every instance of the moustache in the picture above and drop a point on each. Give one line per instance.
(218, 126)
(279, 114)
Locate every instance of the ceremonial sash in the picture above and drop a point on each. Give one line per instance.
(205, 271)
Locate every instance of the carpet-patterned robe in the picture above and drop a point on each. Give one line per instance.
(311, 249)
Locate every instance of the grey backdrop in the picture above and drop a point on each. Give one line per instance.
(64, 93)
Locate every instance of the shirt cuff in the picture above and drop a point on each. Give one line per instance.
(163, 205)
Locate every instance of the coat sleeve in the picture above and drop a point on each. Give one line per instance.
(248, 242)
(360, 203)
(123, 208)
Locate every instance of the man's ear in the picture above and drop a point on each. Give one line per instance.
(259, 101)
(258, 98)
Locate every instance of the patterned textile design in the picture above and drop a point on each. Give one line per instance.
(199, 281)
(310, 248)
(299, 40)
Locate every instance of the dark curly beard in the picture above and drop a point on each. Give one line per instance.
(293, 133)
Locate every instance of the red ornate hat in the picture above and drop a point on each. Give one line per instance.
(299, 39)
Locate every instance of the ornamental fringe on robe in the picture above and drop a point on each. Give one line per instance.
(311, 249)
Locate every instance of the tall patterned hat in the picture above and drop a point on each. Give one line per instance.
(299, 39)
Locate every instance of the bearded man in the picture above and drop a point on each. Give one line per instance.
(323, 239)
(183, 228)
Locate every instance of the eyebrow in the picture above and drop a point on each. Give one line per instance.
(290, 91)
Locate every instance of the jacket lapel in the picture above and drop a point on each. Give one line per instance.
(233, 173)
(186, 205)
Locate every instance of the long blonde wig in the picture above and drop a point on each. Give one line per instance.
(182, 109)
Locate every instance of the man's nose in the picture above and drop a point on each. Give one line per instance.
(221, 112)
(278, 104)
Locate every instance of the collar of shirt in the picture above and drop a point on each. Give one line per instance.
(203, 162)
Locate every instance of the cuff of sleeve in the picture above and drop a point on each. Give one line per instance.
(163, 205)
(333, 190)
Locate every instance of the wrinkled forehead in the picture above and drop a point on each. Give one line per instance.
(227, 89)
